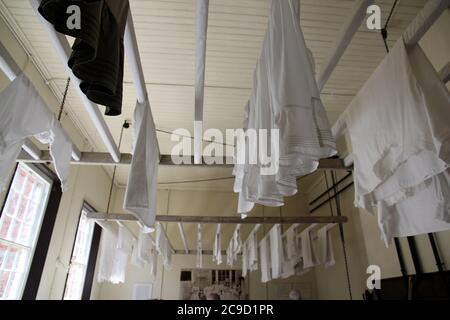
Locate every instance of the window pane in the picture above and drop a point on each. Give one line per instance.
(80, 258)
(19, 225)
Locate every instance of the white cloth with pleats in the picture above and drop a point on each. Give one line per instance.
(285, 97)
(399, 129)
(140, 195)
(24, 114)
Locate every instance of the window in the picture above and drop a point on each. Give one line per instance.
(20, 222)
(80, 257)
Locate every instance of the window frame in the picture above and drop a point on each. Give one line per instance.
(44, 231)
(92, 257)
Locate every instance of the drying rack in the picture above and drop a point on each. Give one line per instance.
(31, 153)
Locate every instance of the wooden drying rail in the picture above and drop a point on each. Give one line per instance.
(105, 159)
(222, 219)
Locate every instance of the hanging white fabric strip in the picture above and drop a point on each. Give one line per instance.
(135, 259)
(163, 246)
(125, 240)
(244, 259)
(112, 260)
(140, 196)
(264, 254)
(252, 250)
(199, 247)
(24, 114)
(202, 10)
(326, 247)
(217, 250)
(237, 243)
(276, 251)
(309, 254)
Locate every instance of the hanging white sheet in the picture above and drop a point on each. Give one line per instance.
(264, 254)
(140, 195)
(217, 250)
(163, 246)
(24, 114)
(112, 260)
(309, 250)
(326, 247)
(252, 251)
(244, 259)
(276, 251)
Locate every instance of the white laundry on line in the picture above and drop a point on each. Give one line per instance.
(24, 114)
(284, 96)
(252, 251)
(401, 144)
(163, 247)
(309, 253)
(326, 247)
(112, 260)
(217, 250)
(141, 192)
(264, 256)
(276, 251)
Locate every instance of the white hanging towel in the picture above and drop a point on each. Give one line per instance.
(199, 247)
(141, 192)
(237, 243)
(244, 259)
(276, 251)
(292, 252)
(135, 259)
(125, 240)
(24, 114)
(252, 251)
(230, 255)
(112, 260)
(264, 255)
(326, 247)
(309, 255)
(163, 246)
(217, 250)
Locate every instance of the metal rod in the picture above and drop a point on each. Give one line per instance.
(332, 197)
(329, 189)
(222, 219)
(62, 47)
(439, 263)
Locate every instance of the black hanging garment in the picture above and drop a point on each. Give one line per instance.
(98, 53)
